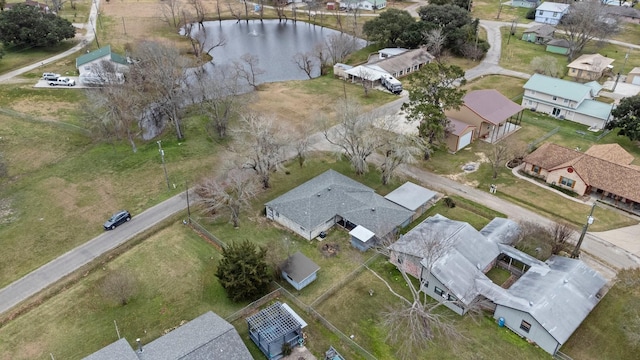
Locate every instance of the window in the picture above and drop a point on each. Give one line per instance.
(525, 326)
(555, 98)
(533, 92)
(567, 182)
(451, 298)
(438, 291)
(425, 284)
(536, 169)
(399, 259)
(540, 12)
(555, 14)
(566, 101)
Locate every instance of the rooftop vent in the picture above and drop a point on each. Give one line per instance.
(373, 209)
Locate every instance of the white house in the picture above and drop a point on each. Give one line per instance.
(101, 66)
(544, 302)
(551, 12)
(363, 4)
(566, 100)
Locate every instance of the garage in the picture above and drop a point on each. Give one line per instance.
(634, 76)
(464, 140)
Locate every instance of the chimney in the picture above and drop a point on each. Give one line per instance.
(140, 349)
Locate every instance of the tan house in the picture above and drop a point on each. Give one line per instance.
(634, 76)
(590, 67)
(604, 171)
(492, 114)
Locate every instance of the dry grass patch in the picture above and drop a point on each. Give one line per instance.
(48, 112)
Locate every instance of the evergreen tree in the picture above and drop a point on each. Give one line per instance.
(243, 271)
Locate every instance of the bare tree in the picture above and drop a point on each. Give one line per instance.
(219, 98)
(585, 21)
(357, 134)
(498, 155)
(230, 194)
(119, 286)
(545, 65)
(321, 53)
(171, 11)
(415, 322)
(339, 46)
(302, 144)
(366, 79)
(198, 8)
(161, 69)
(263, 142)
(249, 69)
(280, 5)
(561, 233)
(400, 149)
(435, 39)
(304, 61)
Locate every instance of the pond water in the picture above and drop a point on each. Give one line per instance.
(274, 43)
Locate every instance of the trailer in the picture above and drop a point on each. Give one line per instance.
(392, 84)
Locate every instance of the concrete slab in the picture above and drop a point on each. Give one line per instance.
(626, 238)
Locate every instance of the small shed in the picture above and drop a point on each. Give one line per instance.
(274, 326)
(539, 33)
(299, 270)
(412, 197)
(331, 6)
(634, 76)
(558, 46)
(459, 135)
(362, 238)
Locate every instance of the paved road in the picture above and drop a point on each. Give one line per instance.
(55, 270)
(71, 261)
(84, 40)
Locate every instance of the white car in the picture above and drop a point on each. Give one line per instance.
(50, 76)
(63, 81)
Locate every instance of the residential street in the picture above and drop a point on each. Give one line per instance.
(52, 272)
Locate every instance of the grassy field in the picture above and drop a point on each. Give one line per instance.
(517, 55)
(489, 10)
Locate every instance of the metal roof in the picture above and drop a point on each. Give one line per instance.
(330, 194)
(273, 322)
(299, 267)
(558, 87)
(553, 6)
(501, 231)
(97, 54)
(595, 109)
(491, 105)
(410, 195)
(559, 295)
(361, 233)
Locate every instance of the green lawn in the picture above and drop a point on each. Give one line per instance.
(517, 54)
(488, 10)
(498, 275)
(508, 86)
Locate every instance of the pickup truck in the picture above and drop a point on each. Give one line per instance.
(63, 81)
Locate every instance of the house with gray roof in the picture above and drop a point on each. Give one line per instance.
(539, 34)
(551, 12)
(544, 302)
(413, 197)
(332, 198)
(299, 271)
(207, 337)
(566, 100)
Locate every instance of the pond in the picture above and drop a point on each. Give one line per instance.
(274, 43)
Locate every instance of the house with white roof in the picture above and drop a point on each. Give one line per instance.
(566, 100)
(551, 12)
(590, 67)
(544, 302)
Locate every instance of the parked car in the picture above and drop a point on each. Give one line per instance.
(63, 81)
(117, 219)
(50, 76)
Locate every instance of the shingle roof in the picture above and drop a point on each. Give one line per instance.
(558, 87)
(611, 152)
(564, 43)
(457, 127)
(299, 267)
(591, 62)
(491, 105)
(543, 30)
(97, 54)
(600, 173)
(330, 194)
(198, 339)
(405, 60)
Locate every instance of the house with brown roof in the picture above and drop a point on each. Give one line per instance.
(603, 171)
(590, 67)
(492, 114)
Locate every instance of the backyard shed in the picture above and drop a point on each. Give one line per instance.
(299, 270)
(362, 238)
(558, 46)
(412, 197)
(274, 326)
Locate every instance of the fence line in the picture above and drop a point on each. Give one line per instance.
(332, 290)
(543, 138)
(253, 306)
(207, 234)
(316, 315)
(604, 133)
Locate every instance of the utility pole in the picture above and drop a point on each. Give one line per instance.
(576, 252)
(164, 166)
(186, 185)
